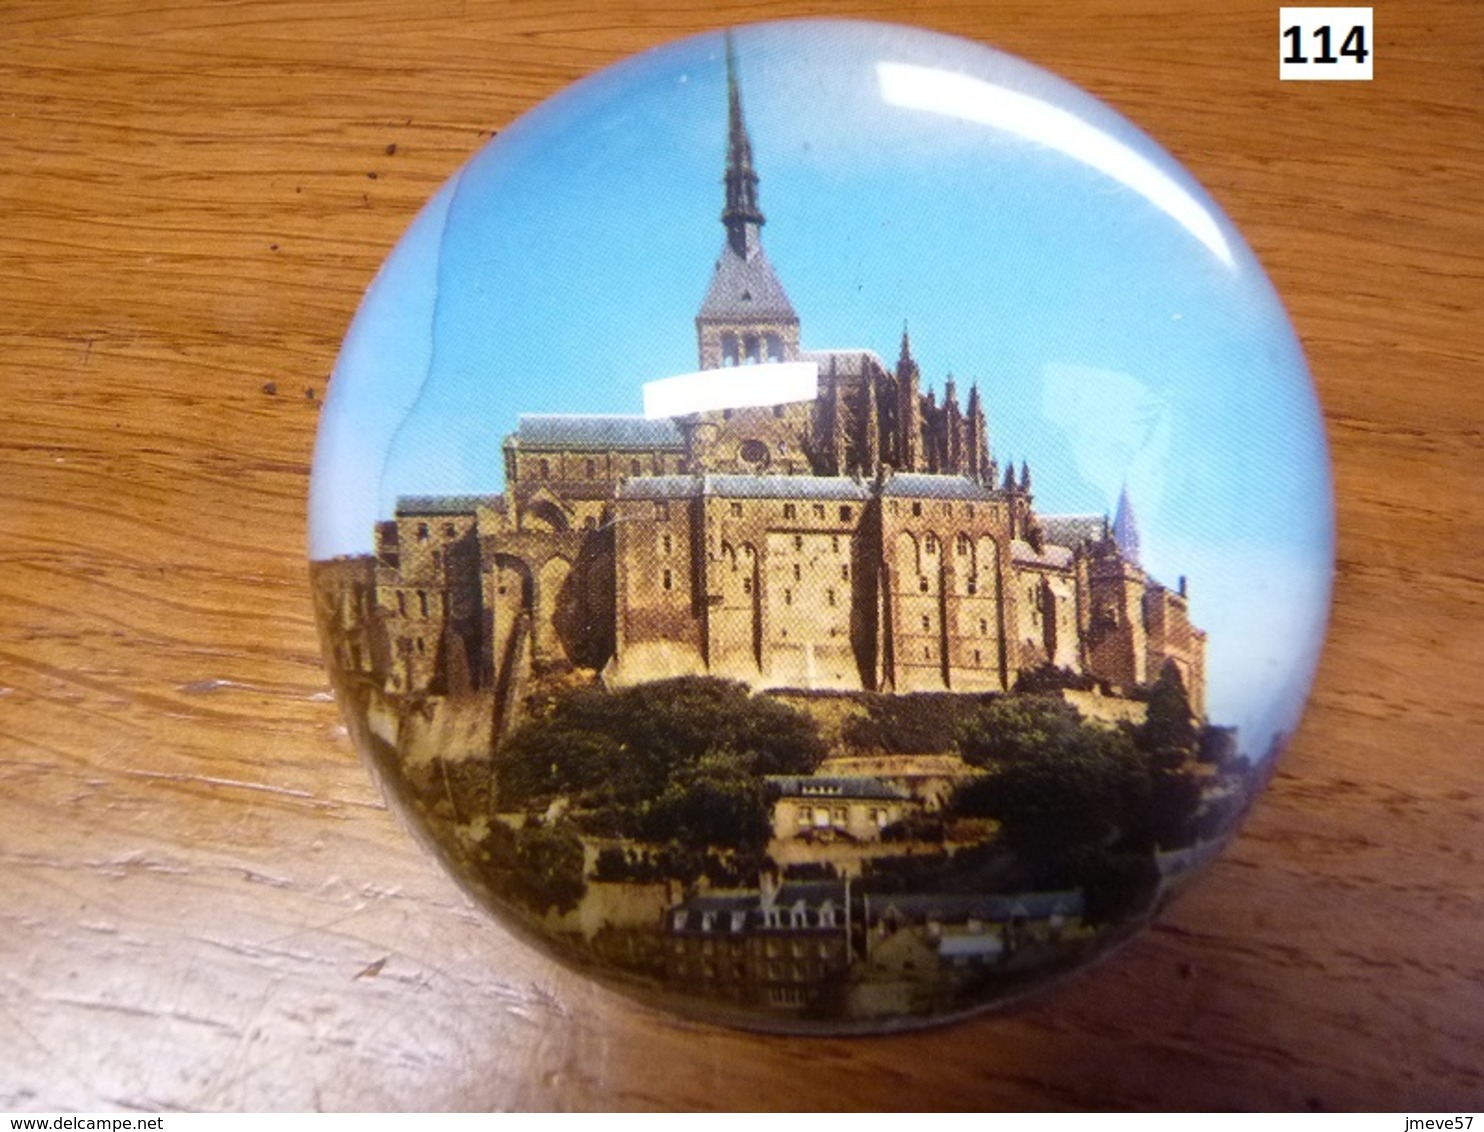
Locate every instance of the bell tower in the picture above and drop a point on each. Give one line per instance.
(746, 317)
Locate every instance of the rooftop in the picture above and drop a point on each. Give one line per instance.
(833, 786)
(744, 487)
(744, 289)
(927, 486)
(447, 504)
(597, 433)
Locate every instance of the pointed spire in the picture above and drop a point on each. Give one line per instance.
(1009, 484)
(1126, 528)
(905, 357)
(741, 216)
(1025, 477)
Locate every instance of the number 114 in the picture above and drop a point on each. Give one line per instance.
(1353, 46)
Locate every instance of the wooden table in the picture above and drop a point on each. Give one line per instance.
(204, 903)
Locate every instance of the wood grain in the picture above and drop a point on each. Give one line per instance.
(204, 903)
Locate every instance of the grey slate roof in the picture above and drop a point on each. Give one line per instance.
(1071, 530)
(597, 433)
(832, 786)
(743, 289)
(745, 487)
(1055, 557)
(447, 504)
(926, 486)
(843, 363)
(956, 907)
(743, 910)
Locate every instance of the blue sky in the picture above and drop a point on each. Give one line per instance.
(1034, 241)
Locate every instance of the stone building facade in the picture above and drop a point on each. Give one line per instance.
(862, 540)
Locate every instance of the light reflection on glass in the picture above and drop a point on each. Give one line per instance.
(974, 100)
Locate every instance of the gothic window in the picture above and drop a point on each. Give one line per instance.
(402, 602)
(961, 545)
(746, 585)
(917, 508)
(930, 544)
(421, 647)
(449, 530)
(728, 349)
(922, 584)
(422, 532)
(927, 623)
(635, 468)
(790, 511)
(796, 572)
(736, 510)
(775, 348)
(830, 595)
(788, 597)
(422, 601)
(976, 657)
(668, 580)
(798, 542)
(845, 572)
(546, 469)
(750, 349)
(819, 510)
(592, 468)
(845, 514)
(665, 544)
(835, 543)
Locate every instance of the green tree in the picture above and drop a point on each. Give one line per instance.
(1085, 786)
(1169, 732)
(548, 869)
(1172, 740)
(715, 802)
(1016, 728)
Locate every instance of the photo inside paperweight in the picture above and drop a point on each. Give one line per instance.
(812, 710)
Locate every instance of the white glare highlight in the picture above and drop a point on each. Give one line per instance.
(736, 387)
(974, 100)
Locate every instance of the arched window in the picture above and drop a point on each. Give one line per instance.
(728, 349)
(775, 348)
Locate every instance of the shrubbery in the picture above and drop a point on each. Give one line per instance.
(675, 760)
(922, 723)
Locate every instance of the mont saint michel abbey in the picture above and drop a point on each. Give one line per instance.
(864, 540)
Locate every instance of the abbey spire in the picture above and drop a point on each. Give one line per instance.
(746, 317)
(1126, 528)
(742, 217)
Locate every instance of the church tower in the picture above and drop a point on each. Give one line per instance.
(746, 317)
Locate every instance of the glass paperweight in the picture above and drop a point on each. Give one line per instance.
(822, 527)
